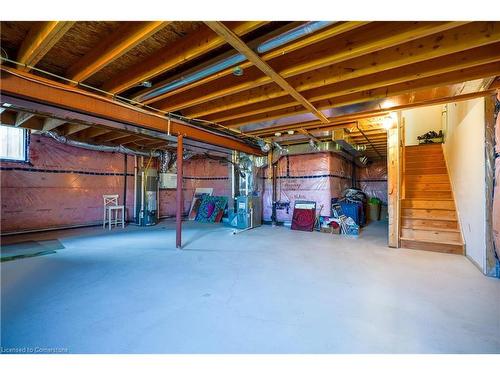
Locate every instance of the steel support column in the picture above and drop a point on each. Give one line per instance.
(178, 240)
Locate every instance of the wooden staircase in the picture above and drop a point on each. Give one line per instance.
(428, 215)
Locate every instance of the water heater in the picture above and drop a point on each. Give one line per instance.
(146, 197)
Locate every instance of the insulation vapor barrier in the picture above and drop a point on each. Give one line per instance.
(372, 179)
(198, 173)
(317, 177)
(496, 191)
(61, 186)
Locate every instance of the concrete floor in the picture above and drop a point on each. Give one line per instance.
(268, 290)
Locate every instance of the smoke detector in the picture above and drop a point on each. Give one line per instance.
(238, 71)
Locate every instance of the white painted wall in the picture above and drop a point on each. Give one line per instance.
(419, 121)
(464, 150)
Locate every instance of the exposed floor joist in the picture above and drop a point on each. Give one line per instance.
(241, 47)
(40, 40)
(120, 42)
(326, 85)
(30, 87)
(378, 93)
(188, 48)
(335, 30)
(358, 42)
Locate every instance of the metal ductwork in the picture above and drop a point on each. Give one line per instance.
(289, 36)
(264, 146)
(94, 147)
(343, 139)
(305, 148)
(165, 158)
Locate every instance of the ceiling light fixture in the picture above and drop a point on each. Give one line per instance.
(387, 104)
(388, 122)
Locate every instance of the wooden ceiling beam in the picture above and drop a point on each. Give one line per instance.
(117, 44)
(8, 118)
(34, 123)
(110, 137)
(457, 44)
(52, 123)
(334, 30)
(241, 47)
(371, 136)
(22, 117)
(438, 95)
(156, 143)
(80, 106)
(344, 121)
(22, 120)
(462, 75)
(308, 135)
(255, 109)
(434, 67)
(189, 47)
(40, 39)
(70, 129)
(127, 140)
(360, 42)
(253, 43)
(92, 132)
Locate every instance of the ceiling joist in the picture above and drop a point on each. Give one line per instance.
(188, 48)
(429, 68)
(335, 30)
(117, 44)
(241, 47)
(78, 104)
(359, 42)
(459, 42)
(22, 118)
(40, 39)
(51, 124)
(481, 71)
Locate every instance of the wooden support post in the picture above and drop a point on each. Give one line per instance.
(393, 181)
(178, 241)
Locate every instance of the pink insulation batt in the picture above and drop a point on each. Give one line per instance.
(198, 173)
(61, 186)
(317, 177)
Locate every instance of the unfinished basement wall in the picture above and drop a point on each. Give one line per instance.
(419, 121)
(316, 177)
(198, 173)
(372, 179)
(61, 186)
(465, 157)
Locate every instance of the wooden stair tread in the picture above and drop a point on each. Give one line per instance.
(430, 229)
(441, 242)
(427, 199)
(433, 175)
(428, 213)
(419, 190)
(427, 218)
(427, 208)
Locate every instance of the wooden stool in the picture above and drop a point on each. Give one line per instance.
(114, 214)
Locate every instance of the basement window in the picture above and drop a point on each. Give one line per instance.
(13, 144)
